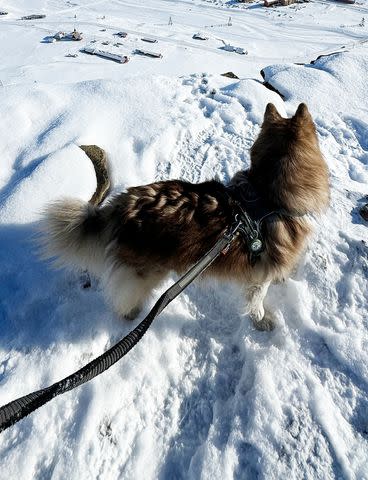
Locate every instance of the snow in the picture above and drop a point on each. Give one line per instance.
(203, 395)
(330, 77)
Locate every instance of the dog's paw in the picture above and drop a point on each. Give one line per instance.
(133, 314)
(265, 324)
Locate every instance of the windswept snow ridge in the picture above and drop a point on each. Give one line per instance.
(203, 395)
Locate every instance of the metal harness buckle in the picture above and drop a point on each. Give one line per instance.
(250, 230)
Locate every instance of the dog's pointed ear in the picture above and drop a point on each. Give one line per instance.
(271, 113)
(302, 113)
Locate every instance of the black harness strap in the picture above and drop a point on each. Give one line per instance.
(252, 209)
(21, 407)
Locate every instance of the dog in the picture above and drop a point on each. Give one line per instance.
(137, 237)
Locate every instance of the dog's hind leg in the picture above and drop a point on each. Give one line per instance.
(255, 295)
(127, 289)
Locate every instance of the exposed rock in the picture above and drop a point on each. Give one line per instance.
(229, 75)
(364, 212)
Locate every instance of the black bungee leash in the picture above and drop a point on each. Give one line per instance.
(14, 411)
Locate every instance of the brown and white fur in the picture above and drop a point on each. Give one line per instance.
(139, 236)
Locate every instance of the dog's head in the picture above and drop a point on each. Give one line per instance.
(286, 163)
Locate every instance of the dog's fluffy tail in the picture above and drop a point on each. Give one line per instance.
(72, 234)
(72, 231)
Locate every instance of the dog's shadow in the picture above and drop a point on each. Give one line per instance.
(40, 306)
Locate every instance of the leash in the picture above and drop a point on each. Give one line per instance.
(14, 411)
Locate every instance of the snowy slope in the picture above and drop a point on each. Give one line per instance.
(203, 395)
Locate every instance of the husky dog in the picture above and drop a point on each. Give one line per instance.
(137, 237)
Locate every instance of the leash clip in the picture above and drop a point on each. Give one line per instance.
(233, 230)
(250, 230)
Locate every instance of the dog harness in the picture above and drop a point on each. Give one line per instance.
(251, 210)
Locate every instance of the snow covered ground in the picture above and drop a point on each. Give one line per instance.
(203, 395)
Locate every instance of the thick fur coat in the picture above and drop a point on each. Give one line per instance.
(140, 235)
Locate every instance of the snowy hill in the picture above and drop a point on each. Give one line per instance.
(203, 395)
